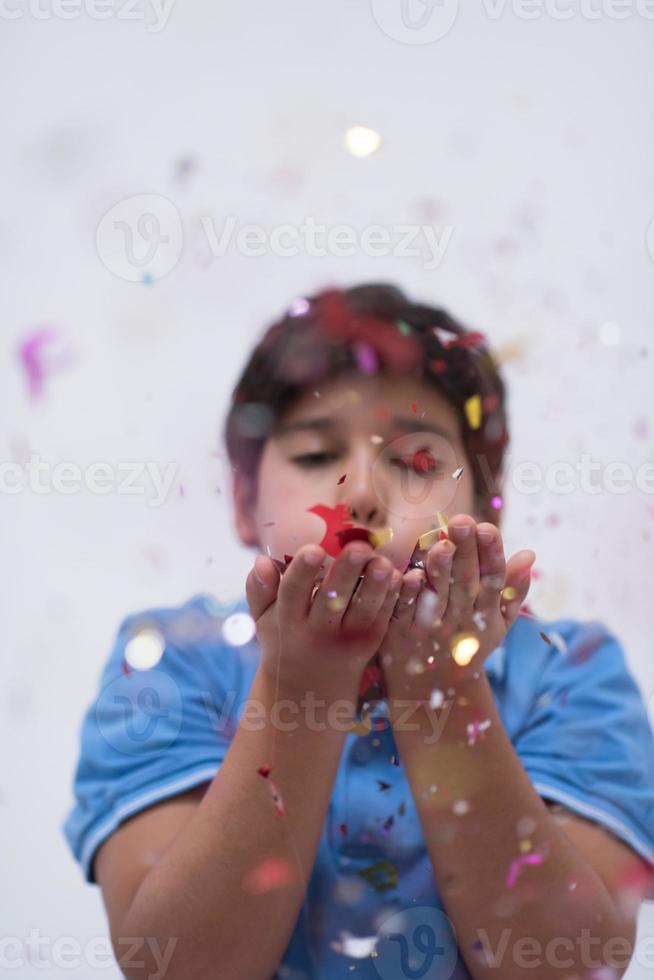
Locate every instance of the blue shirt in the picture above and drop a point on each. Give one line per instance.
(572, 709)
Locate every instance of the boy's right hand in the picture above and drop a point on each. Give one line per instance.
(326, 640)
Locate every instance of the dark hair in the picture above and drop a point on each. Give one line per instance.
(372, 328)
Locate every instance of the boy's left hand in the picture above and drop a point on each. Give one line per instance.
(477, 594)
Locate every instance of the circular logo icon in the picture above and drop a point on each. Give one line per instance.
(413, 480)
(140, 713)
(140, 239)
(417, 942)
(415, 21)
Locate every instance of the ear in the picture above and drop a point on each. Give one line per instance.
(244, 494)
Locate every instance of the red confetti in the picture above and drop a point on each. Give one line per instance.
(414, 406)
(353, 534)
(274, 872)
(343, 829)
(342, 480)
(126, 669)
(438, 365)
(336, 519)
(264, 770)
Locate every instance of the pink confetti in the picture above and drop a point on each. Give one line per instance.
(35, 360)
(366, 357)
(274, 872)
(517, 863)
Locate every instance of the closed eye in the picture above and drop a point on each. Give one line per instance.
(314, 459)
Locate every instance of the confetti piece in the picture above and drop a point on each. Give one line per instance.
(366, 357)
(402, 808)
(264, 770)
(460, 807)
(336, 519)
(381, 537)
(403, 327)
(438, 365)
(145, 649)
(383, 786)
(238, 629)
(395, 761)
(382, 875)
(464, 648)
(357, 947)
(38, 360)
(474, 728)
(277, 799)
(387, 826)
(545, 637)
(274, 872)
(517, 863)
(353, 534)
(496, 502)
(126, 669)
(472, 408)
(343, 829)
(414, 406)
(436, 699)
(509, 593)
(361, 141)
(342, 480)
(458, 473)
(298, 307)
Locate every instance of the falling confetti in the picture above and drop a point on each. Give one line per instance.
(496, 502)
(383, 786)
(382, 875)
(298, 307)
(357, 947)
(38, 359)
(472, 408)
(264, 771)
(516, 864)
(361, 141)
(474, 728)
(366, 357)
(436, 699)
(342, 479)
(238, 629)
(144, 650)
(458, 473)
(464, 648)
(274, 872)
(546, 638)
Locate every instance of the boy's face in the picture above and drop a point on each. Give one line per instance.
(396, 441)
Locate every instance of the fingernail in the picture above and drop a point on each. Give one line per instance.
(462, 531)
(485, 536)
(444, 555)
(380, 574)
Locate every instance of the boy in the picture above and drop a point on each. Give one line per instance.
(404, 773)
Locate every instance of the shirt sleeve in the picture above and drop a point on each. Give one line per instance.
(586, 741)
(152, 733)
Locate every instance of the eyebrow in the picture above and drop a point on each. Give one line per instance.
(326, 424)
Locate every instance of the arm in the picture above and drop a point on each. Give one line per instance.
(199, 895)
(194, 894)
(559, 914)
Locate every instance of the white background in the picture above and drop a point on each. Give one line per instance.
(532, 139)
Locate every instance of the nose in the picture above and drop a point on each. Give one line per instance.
(358, 490)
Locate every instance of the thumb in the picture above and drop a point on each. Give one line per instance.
(516, 584)
(261, 586)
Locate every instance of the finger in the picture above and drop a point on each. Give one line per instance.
(261, 586)
(405, 607)
(390, 602)
(465, 568)
(333, 597)
(296, 587)
(439, 571)
(369, 598)
(492, 568)
(518, 578)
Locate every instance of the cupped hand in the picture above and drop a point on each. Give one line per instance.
(461, 606)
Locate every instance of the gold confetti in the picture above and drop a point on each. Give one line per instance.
(473, 411)
(426, 540)
(509, 593)
(381, 537)
(464, 647)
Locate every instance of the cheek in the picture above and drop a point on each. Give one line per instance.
(282, 514)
